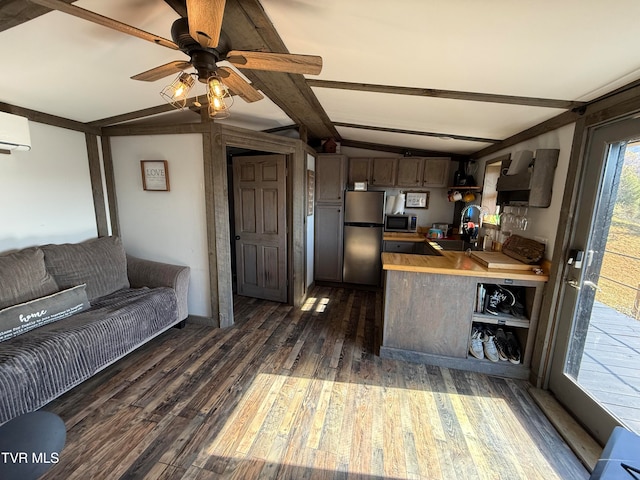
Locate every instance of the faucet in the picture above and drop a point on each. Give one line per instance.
(481, 213)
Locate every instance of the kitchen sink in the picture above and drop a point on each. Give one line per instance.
(456, 245)
(425, 249)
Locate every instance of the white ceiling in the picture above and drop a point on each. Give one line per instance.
(568, 50)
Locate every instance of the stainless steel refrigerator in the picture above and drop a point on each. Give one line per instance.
(363, 227)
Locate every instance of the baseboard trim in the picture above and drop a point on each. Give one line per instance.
(578, 439)
(200, 320)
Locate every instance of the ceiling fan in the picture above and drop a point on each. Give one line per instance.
(199, 35)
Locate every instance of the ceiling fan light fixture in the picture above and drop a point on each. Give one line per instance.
(220, 100)
(176, 93)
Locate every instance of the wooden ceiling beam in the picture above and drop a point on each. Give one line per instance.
(451, 94)
(416, 152)
(248, 28)
(416, 132)
(16, 12)
(47, 119)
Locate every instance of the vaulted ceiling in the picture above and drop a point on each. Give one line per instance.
(450, 77)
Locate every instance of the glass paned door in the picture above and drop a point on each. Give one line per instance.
(596, 366)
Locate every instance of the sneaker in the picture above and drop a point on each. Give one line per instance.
(490, 350)
(500, 300)
(513, 348)
(518, 308)
(475, 343)
(501, 344)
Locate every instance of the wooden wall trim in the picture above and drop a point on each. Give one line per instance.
(210, 151)
(110, 181)
(178, 128)
(47, 119)
(97, 190)
(554, 123)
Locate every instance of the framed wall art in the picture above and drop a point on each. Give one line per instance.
(155, 175)
(417, 200)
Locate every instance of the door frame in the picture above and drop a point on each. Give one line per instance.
(596, 173)
(621, 103)
(216, 184)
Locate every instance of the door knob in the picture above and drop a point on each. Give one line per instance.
(237, 237)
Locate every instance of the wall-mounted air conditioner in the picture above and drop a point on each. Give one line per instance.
(14, 132)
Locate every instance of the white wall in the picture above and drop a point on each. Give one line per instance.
(440, 209)
(166, 226)
(543, 222)
(311, 165)
(45, 193)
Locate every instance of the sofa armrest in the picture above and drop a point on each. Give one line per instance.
(146, 273)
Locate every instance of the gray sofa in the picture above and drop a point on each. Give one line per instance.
(68, 311)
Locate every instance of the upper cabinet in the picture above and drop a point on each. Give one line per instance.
(359, 170)
(383, 172)
(410, 172)
(436, 172)
(400, 172)
(330, 178)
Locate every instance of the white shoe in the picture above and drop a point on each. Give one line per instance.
(490, 350)
(475, 343)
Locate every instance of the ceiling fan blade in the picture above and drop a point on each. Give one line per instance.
(90, 16)
(205, 21)
(276, 62)
(162, 71)
(239, 85)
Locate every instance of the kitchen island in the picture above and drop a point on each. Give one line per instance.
(431, 302)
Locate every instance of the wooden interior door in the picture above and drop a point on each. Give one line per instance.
(260, 226)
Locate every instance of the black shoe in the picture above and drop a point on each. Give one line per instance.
(500, 300)
(501, 344)
(513, 348)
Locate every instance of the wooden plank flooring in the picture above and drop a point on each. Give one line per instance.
(301, 393)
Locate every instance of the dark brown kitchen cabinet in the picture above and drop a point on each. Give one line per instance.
(328, 244)
(409, 172)
(436, 172)
(359, 170)
(330, 178)
(384, 172)
(331, 174)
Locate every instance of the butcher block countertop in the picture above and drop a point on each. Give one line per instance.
(452, 263)
(402, 237)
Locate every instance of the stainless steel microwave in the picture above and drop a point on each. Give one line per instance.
(400, 223)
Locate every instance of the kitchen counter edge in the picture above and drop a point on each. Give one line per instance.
(452, 263)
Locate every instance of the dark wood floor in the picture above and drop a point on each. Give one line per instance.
(300, 393)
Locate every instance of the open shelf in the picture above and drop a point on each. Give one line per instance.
(506, 320)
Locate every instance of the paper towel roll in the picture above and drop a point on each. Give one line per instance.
(391, 204)
(399, 203)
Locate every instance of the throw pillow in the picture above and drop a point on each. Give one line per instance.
(101, 263)
(23, 277)
(21, 318)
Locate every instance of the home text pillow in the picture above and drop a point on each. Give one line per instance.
(23, 277)
(101, 263)
(21, 318)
